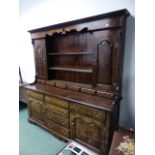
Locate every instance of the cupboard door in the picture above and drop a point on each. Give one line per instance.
(40, 58)
(88, 131)
(36, 109)
(107, 58)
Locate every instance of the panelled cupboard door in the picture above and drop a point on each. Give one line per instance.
(88, 131)
(40, 58)
(36, 109)
(107, 57)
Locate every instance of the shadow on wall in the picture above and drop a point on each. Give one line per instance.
(127, 107)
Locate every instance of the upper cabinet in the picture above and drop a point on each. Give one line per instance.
(88, 51)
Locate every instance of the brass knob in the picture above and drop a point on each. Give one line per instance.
(49, 115)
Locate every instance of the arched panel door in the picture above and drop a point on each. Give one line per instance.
(40, 58)
(107, 59)
(104, 61)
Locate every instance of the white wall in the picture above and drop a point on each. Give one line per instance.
(38, 13)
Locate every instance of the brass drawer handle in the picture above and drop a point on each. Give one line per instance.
(64, 122)
(51, 125)
(50, 116)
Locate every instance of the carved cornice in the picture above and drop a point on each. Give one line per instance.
(66, 31)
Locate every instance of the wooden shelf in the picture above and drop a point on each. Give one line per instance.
(82, 70)
(71, 53)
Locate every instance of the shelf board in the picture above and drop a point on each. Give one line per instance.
(82, 70)
(71, 53)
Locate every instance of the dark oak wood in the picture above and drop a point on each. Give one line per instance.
(93, 101)
(71, 53)
(109, 20)
(40, 58)
(82, 70)
(78, 78)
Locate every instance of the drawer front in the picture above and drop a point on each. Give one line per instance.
(57, 128)
(57, 110)
(88, 91)
(56, 101)
(57, 119)
(73, 88)
(35, 94)
(60, 85)
(30, 99)
(87, 111)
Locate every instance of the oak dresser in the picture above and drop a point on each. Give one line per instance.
(77, 91)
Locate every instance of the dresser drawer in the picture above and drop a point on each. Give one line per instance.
(35, 94)
(80, 109)
(56, 101)
(57, 110)
(57, 128)
(58, 119)
(30, 100)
